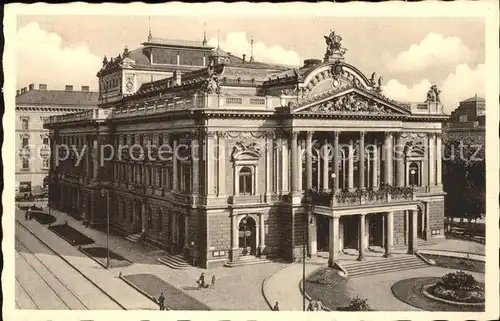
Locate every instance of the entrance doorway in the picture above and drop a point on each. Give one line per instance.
(247, 236)
(375, 230)
(323, 233)
(351, 231)
(181, 236)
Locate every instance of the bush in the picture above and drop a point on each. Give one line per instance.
(458, 281)
(358, 304)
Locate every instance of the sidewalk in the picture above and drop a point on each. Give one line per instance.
(104, 279)
(237, 288)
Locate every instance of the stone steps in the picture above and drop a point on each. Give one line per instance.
(174, 261)
(386, 265)
(247, 260)
(134, 238)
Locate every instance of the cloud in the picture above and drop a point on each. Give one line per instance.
(434, 50)
(43, 58)
(461, 84)
(237, 43)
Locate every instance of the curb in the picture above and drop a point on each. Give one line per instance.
(121, 277)
(449, 254)
(69, 263)
(308, 297)
(265, 281)
(433, 297)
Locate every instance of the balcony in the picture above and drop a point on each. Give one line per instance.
(245, 199)
(386, 194)
(87, 115)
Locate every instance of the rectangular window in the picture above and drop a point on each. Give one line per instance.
(45, 141)
(24, 187)
(25, 123)
(26, 142)
(45, 163)
(463, 118)
(26, 163)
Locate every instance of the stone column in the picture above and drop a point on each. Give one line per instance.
(285, 157)
(374, 166)
(389, 232)
(221, 187)
(333, 239)
(279, 165)
(269, 169)
(209, 164)
(186, 232)
(412, 247)
(300, 148)
(400, 162)
(361, 238)
(336, 160)
(195, 161)
(96, 157)
(325, 166)
(234, 238)
(295, 159)
(350, 179)
(432, 161)
(388, 172)
(361, 160)
(144, 219)
(175, 167)
(262, 235)
(438, 159)
(309, 159)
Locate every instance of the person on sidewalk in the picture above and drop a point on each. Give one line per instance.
(201, 281)
(213, 282)
(161, 302)
(26, 215)
(276, 306)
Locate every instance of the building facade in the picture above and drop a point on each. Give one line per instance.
(468, 120)
(260, 160)
(33, 106)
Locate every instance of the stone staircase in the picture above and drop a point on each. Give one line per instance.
(247, 260)
(174, 261)
(134, 238)
(396, 263)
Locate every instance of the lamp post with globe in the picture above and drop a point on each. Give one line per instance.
(106, 192)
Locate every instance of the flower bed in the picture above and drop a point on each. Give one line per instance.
(70, 235)
(99, 254)
(458, 287)
(42, 217)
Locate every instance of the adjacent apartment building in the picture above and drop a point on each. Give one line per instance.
(261, 159)
(33, 107)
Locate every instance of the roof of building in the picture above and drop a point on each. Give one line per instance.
(475, 98)
(175, 42)
(58, 98)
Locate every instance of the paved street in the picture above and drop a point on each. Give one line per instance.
(45, 281)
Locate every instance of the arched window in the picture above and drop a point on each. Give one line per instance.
(414, 175)
(245, 180)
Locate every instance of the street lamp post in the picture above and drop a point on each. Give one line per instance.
(310, 210)
(103, 191)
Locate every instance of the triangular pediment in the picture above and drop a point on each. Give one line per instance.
(351, 101)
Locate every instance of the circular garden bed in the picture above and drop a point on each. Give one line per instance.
(456, 291)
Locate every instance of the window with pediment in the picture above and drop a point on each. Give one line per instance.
(245, 157)
(25, 123)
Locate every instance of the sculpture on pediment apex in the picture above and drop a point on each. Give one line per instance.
(105, 60)
(211, 85)
(126, 52)
(334, 47)
(433, 94)
(372, 79)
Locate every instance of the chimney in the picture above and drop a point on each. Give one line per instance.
(85, 88)
(31, 86)
(23, 90)
(244, 56)
(42, 87)
(69, 88)
(18, 92)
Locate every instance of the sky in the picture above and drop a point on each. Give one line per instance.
(409, 53)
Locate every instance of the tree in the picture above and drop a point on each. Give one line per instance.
(464, 177)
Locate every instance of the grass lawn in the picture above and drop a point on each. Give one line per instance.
(457, 263)
(100, 254)
(328, 287)
(175, 299)
(43, 218)
(71, 235)
(410, 291)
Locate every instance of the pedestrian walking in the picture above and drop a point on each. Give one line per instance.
(213, 281)
(201, 281)
(26, 216)
(276, 306)
(161, 302)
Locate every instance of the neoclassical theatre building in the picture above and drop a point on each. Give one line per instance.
(267, 160)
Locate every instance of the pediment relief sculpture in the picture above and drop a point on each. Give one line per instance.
(251, 147)
(351, 103)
